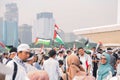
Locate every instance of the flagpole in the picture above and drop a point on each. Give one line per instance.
(53, 43)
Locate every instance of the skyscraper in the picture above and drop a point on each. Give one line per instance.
(11, 25)
(70, 37)
(25, 34)
(45, 25)
(1, 29)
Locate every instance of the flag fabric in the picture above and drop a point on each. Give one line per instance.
(98, 45)
(87, 44)
(87, 65)
(56, 27)
(8, 47)
(36, 40)
(57, 38)
(42, 41)
(2, 45)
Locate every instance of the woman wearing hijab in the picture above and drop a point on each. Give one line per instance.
(105, 70)
(75, 70)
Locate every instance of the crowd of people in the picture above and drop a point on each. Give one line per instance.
(60, 64)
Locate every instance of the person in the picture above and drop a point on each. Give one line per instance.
(61, 67)
(44, 57)
(75, 71)
(29, 63)
(36, 63)
(105, 70)
(86, 60)
(5, 58)
(51, 65)
(117, 77)
(69, 52)
(12, 54)
(112, 58)
(3, 71)
(95, 61)
(17, 65)
(60, 55)
(38, 75)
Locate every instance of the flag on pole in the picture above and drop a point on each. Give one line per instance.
(2, 45)
(87, 44)
(87, 65)
(57, 38)
(99, 44)
(42, 41)
(56, 27)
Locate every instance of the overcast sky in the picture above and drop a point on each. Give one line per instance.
(68, 14)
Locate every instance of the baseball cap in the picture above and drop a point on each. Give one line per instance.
(23, 47)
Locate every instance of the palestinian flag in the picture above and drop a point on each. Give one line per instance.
(42, 41)
(57, 38)
(56, 27)
(87, 44)
(87, 65)
(2, 45)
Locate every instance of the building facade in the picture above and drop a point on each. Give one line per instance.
(11, 25)
(1, 29)
(45, 25)
(25, 34)
(105, 34)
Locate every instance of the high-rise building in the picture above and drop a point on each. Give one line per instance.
(45, 25)
(70, 37)
(11, 25)
(1, 29)
(25, 34)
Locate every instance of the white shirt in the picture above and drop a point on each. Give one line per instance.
(21, 72)
(4, 61)
(115, 78)
(30, 67)
(60, 58)
(83, 60)
(52, 67)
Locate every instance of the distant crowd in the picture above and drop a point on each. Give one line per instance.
(60, 64)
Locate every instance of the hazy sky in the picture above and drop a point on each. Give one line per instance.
(68, 14)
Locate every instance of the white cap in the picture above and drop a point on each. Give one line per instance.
(23, 47)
